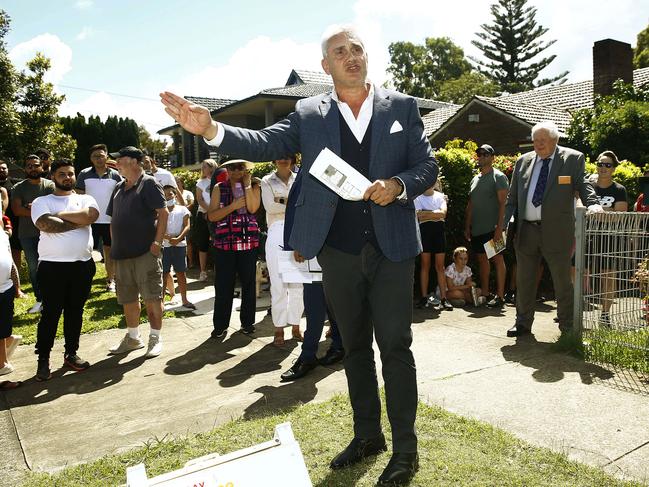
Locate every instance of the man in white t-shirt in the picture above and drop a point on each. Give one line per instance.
(164, 177)
(99, 181)
(65, 267)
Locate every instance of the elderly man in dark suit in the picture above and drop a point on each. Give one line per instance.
(366, 248)
(542, 198)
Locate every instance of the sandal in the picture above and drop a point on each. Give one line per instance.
(189, 305)
(278, 341)
(297, 335)
(8, 385)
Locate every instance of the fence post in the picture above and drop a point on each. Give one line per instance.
(580, 243)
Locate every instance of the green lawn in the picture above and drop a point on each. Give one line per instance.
(100, 313)
(627, 349)
(453, 451)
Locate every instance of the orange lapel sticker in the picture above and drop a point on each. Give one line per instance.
(565, 180)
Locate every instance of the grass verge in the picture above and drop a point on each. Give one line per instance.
(100, 313)
(453, 451)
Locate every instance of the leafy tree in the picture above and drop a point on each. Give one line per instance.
(154, 146)
(9, 121)
(38, 111)
(510, 44)
(421, 70)
(619, 122)
(462, 89)
(641, 51)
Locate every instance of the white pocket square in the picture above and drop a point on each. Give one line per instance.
(396, 127)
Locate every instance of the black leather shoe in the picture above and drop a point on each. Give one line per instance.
(358, 449)
(518, 331)
(400, 469)
(299, 369)
(332, 356)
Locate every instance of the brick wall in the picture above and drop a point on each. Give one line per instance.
(500, 131)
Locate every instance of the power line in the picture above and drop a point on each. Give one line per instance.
(109, 93)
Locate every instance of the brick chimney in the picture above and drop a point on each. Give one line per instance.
(612, 60)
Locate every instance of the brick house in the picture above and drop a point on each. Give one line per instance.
(504, 122)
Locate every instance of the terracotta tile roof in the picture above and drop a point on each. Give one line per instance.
(210, 103)
(314, 77)
(435, 119)
(531, 114)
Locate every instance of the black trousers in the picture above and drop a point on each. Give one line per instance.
(227, 264)
(371, 295)
(65, 287)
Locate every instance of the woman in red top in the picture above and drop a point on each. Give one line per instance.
(235, 238)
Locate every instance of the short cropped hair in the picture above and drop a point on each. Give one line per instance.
(210, 162)
(98, 147)
(60, 163)
(551, 128)
(334, 30)
(32, 157)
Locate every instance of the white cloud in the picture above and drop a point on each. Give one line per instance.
(261, 63)
(84, 4)
(50, 46)
(85, 33)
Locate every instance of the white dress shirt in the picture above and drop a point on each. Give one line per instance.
(533, 213)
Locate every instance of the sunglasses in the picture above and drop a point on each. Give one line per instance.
(605, 164)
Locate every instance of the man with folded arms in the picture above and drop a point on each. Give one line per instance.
(65, 267)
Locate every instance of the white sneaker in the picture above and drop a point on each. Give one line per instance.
(126, 345)
(111, 287)
(37, 308)
(12, 348)
(7, 369)
(202, 276)
(155, 346)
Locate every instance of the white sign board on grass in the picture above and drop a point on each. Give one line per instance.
(275, 463)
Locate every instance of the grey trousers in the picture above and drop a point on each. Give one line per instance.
(529, 250)
(371, 295)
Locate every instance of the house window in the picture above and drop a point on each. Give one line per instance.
(474, 118)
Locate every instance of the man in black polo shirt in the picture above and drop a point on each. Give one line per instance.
(139, 221)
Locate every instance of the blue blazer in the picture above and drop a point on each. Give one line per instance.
(315, 125)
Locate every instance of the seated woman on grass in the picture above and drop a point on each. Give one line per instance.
(458, 279)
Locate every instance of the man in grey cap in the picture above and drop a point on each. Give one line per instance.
(484, 221)
(139, 220)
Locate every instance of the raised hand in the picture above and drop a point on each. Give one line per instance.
(192, 117)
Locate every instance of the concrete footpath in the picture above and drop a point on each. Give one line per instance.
(465, 364)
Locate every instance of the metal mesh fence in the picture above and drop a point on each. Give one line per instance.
(612, 289)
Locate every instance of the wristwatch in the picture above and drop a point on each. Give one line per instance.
(155, 242)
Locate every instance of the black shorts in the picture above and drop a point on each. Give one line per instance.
(478, 241)
(433, 237)
(101, 231)
(201, 232)
(6, 312)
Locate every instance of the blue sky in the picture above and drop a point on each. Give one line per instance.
(235, 49)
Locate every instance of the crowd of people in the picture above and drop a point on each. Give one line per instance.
(141, 218)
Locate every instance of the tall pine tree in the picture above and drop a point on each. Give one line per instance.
(510, 45)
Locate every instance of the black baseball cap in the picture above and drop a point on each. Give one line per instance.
(487, 148)
(128, 151)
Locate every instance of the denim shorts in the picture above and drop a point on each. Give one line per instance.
(175, 257)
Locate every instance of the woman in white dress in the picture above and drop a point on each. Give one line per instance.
(286, 299)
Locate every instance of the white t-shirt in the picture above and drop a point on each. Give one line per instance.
(164, 177)
(435, 201)
(68, 246)
(458, 278)
(175, 225)
(5, 262)
(204, 186)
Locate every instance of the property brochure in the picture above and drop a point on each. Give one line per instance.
(339, 176)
